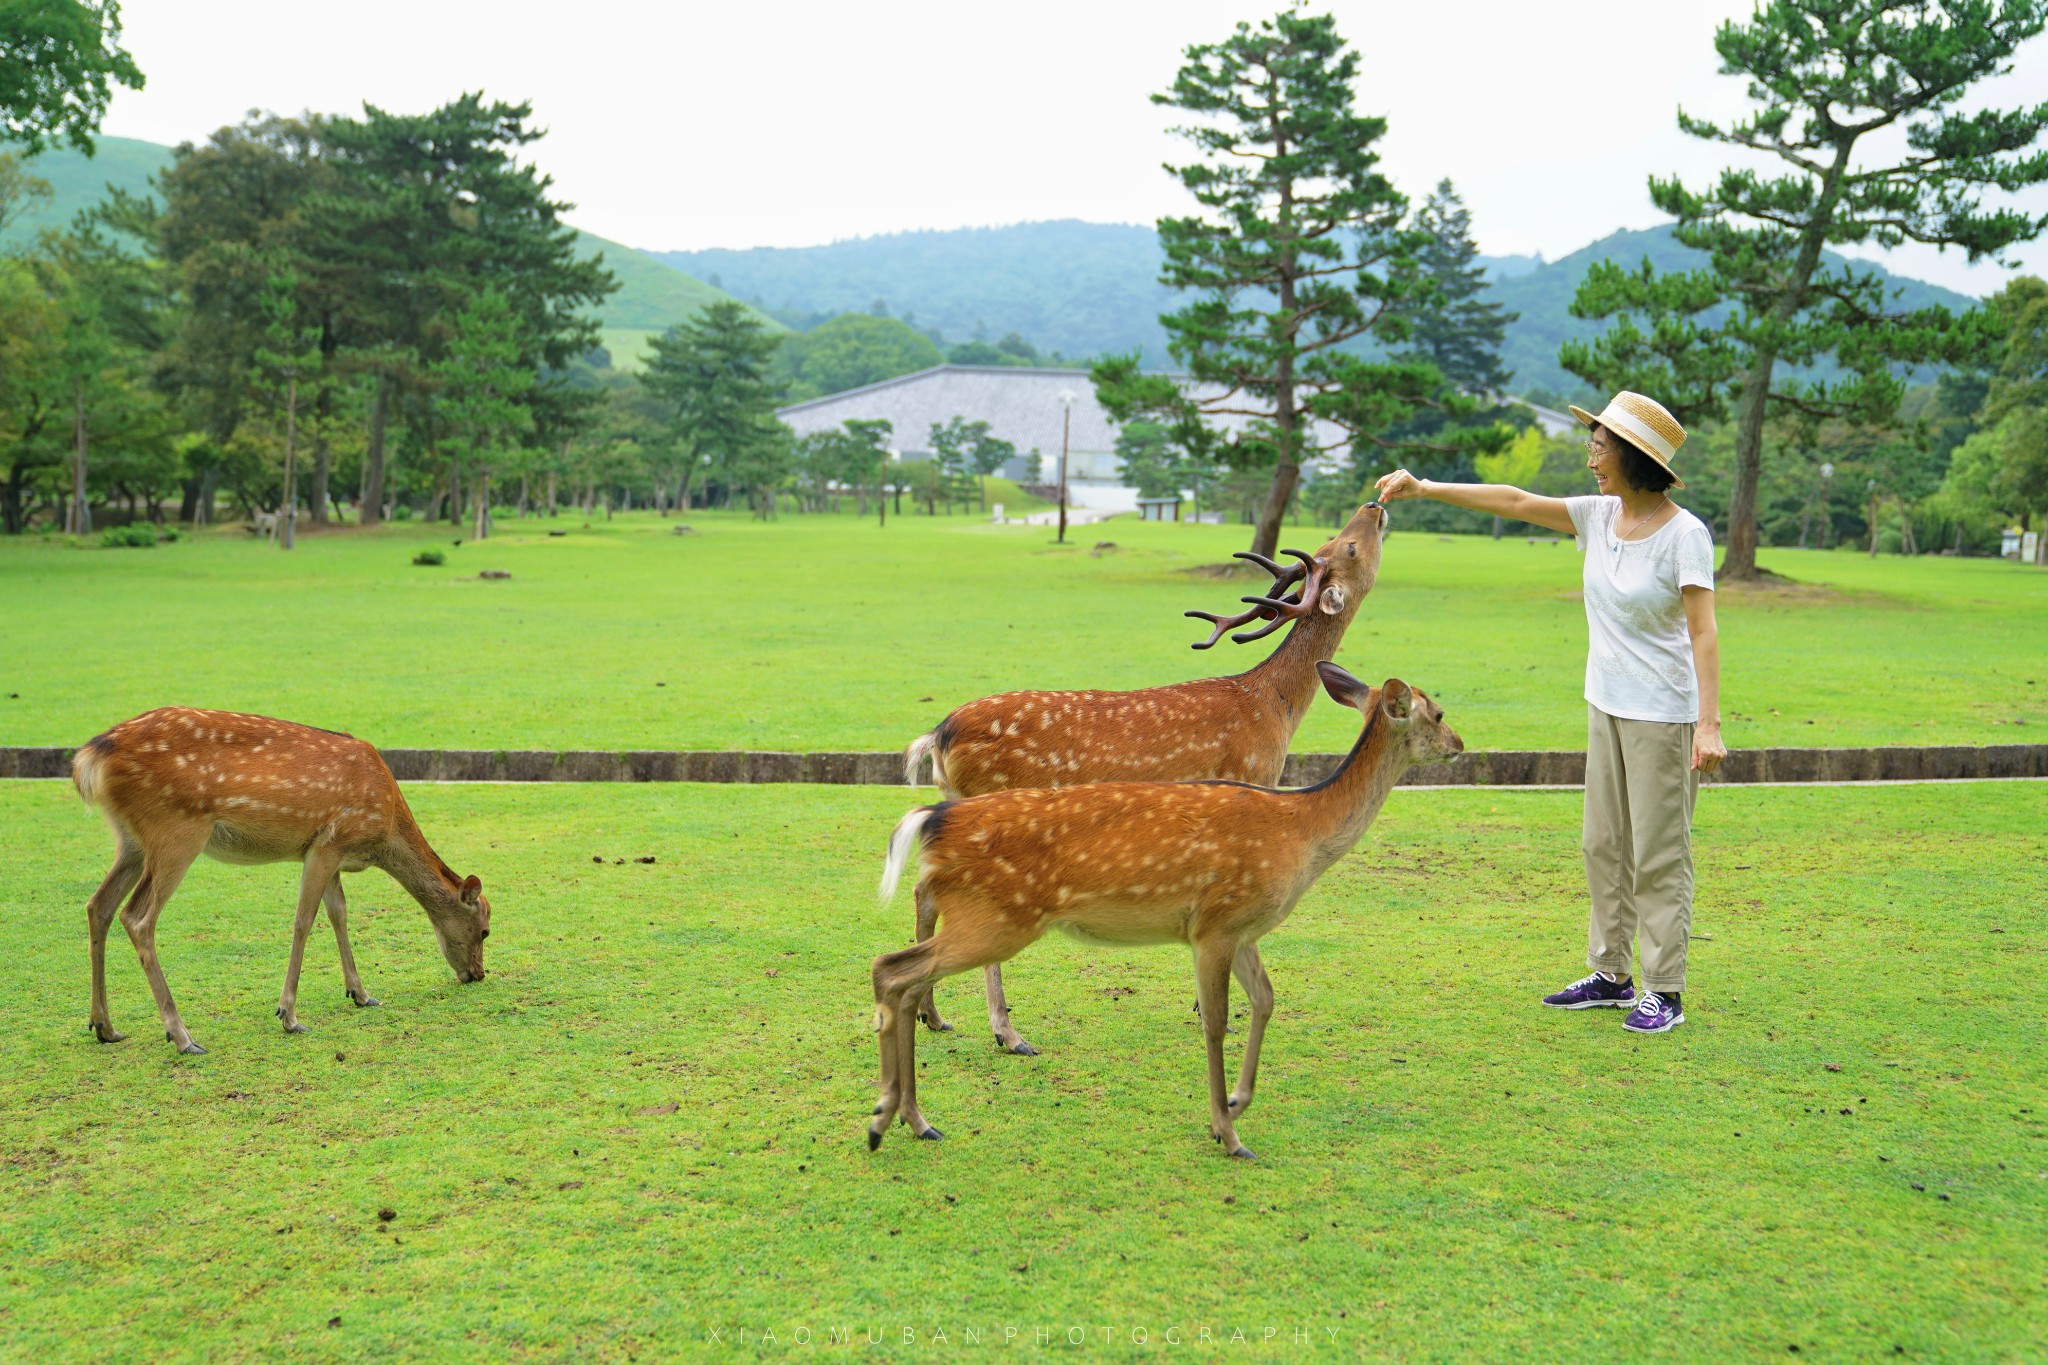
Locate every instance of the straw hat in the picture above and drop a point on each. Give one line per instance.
(1644, 424)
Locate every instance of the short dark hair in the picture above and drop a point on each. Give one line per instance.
(1643, 473)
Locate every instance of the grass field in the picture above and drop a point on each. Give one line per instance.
(816, 633)
(1844, 1150)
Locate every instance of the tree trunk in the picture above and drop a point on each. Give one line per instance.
(317, 498)
(372, 512)
(79, 522)
(1740, 562)
(1497, 524)
(552, 485)
(482, 527)
(454, 491)
(288, 515)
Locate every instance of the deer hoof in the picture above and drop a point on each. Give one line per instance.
(1020, 1048)
(364, 1002)
(192, 1050)
(105, 1035)
(931, 1135)
(1242, 1153)
(874, 1139)
(296, 1028)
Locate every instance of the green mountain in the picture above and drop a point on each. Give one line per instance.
(1087, 289)
(78, 181)
(1083, 289)
(651, 298)
(1543, 297)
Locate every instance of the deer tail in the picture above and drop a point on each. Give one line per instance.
(86, 769)
(900, 844)
(913, 757)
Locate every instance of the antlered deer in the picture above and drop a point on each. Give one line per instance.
(1214, 865)
(1234, 728)
(177, 782)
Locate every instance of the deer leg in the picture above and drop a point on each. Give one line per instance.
(1212, 984)
(900, 980)
(99, 917)
(322, 863)
(1007, 1038)
(1251, 974)
(927, 925)
(162, 869)
(337, 915)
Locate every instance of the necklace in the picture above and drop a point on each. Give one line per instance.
(1622, 536)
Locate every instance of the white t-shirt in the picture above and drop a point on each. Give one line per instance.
(1639, 662)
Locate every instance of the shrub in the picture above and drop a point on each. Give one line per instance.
(430, 557)
(136, 535)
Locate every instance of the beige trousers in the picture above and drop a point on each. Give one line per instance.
(1638, 844)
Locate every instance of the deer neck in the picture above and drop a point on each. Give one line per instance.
(1336, 813)
(417, 868)
(1287, 679)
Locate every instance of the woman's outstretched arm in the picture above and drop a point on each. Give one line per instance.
(1495, 499)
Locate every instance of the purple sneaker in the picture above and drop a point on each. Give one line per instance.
(1654, 1013)
(1591, 993)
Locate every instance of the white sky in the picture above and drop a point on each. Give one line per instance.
(691, 124)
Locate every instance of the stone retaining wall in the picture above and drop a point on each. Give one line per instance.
(1495, 768)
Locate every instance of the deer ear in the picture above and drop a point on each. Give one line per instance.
(1333, 599)
(472, 891)
(1344, 689)
(1397, 700)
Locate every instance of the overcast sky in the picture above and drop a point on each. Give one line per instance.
(688, 125)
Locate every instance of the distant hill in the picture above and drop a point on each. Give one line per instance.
(1543, 297)
(78, 181)
(1087, 289)
(652, 296)
(1084, 289)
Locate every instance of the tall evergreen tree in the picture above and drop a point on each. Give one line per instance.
(289, 358)
(479, 387)
(1836, 83)
(1301, 249)
(429, 209)
(1458, 328)
(712, 371)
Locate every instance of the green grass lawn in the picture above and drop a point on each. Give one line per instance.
(814, 633)
(1843, 1150)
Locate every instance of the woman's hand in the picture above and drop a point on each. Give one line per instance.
(1707, 748)
(1399, 484)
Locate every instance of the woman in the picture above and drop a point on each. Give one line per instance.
(1653, 695)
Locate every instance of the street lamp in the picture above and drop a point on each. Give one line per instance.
(1067, 400)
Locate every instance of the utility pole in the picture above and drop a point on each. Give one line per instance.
(1066, 423)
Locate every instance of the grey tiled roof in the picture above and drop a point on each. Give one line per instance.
(1021, 406)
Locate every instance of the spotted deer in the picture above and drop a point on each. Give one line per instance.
(178, 782)
(1233, 728)
(1214, 865)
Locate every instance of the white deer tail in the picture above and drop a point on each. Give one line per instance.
(900, 845)
(913, 757)
(85, 774)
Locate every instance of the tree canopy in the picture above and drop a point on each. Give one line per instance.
(1301, 252)
(59, 62)
(1828, 79)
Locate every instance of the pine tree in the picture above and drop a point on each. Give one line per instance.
(1830, 78)
(1458, 329)
(1301, 253)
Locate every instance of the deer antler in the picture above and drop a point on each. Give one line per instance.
(1273, 609)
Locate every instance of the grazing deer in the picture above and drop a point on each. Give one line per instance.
(1214, 865)
(178, 782)
(1234, 728)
